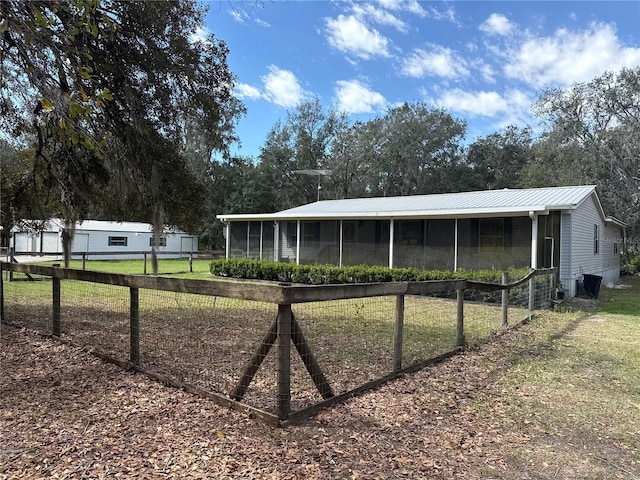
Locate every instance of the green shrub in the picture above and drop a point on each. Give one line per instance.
(630, 264)
(332, 274)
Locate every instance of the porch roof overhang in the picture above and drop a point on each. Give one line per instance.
(615, 221)
(385, 215)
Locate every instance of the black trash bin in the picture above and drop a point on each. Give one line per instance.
(591, 285)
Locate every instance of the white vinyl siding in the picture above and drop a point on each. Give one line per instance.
(566, 272)
(586, 219)
(610, 252)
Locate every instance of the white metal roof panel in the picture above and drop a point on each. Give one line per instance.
(486, 202)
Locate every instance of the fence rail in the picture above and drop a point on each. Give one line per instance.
(196, 333)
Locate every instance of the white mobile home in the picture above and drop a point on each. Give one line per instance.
(563, 227)
(101, 239)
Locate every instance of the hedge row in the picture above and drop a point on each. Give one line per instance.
(331, 274)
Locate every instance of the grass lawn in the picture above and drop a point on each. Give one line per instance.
(169, 266)
(573, 382)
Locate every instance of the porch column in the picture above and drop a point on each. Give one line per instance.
(227, 245)
(340, 246)
(534, 239)
(391, 243)
(276, 241)
(455, 246)
(261, 232)
(298, 242)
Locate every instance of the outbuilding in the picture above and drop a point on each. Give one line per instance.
(102, 240)
(564, 227)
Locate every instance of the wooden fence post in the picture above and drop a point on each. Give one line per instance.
(145, 263)
(397, 338)
(532, 296)
(460, 342)
(284, 361)
(56, 329)
(191, 262)
(84, 260)
(505, 300)
(134, 326)
(1, 293)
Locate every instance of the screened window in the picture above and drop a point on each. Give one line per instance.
(596, 240)
(162, 242)
(117, 241)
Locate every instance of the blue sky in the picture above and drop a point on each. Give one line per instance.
(484, 62)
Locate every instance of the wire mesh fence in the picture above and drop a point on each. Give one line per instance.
(231, 343)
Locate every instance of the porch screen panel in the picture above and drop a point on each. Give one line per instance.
(485, 243)
(320, 242)
(422, 243)
(268, 240)
(288, 238)
(409, 249)
(254, 239)
(365, 242)
(238, 245)
(520, 253)
(440, 244)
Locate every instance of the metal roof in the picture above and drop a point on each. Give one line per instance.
(57, 224)
(464, 204)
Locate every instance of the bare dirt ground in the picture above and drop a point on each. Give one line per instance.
(66, 414)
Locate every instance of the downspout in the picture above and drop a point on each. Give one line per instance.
(227, 240)
(340, 246)
(391, 235)
(534, 239)
(298, 228)
(455, 246)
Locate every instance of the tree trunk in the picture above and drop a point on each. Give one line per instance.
(158, 224)
(68, 232)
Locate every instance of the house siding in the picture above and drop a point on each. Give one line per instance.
(583, 258)
(88, 240)
(566, 276)
(611, 247)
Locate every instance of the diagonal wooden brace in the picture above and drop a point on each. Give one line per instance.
(313, 367)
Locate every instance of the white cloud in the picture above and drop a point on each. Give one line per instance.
(379, 16)
(568, 57)
(497, 24)
(411, 6)
(238, 16)
(352, 36)
(200, 35)
(354, 97)
(282, 87)
(438, 61)
(244, 90)
(485, 104)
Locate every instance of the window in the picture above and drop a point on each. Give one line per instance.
(117, 241)
(596, 240)
(292, 234)
(161, 243)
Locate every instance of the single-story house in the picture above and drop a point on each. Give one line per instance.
(563, 227)
(102, 239)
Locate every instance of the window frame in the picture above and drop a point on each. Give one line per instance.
(117, 241)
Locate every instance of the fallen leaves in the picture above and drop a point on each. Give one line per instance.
(66, 414)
